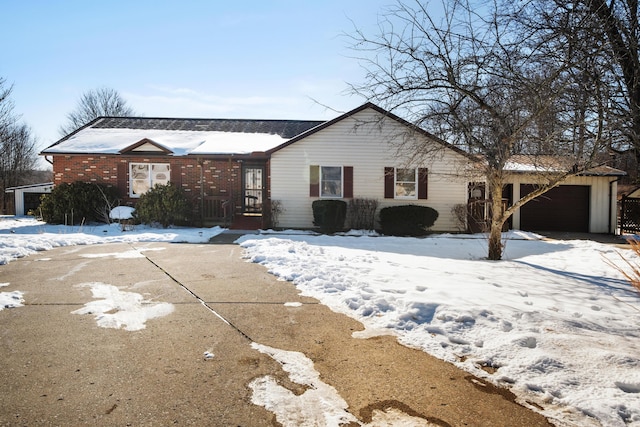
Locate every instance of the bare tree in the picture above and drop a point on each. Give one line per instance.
(603, 46)
(618, 22)
(6, 106)
(93, 104)
(480, 80)
(18, 156)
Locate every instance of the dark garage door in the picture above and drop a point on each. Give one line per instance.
(563, 208)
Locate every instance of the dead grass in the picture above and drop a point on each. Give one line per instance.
(631, 270)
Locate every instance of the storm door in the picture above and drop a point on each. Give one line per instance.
(253, 189)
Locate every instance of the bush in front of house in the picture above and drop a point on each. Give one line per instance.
(76, 203)
(164, 204)
(329, 215)
(407, 220)
(362, 213)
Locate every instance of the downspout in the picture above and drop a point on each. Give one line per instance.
(612, 206)
(201, 164)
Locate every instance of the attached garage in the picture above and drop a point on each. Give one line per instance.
(563, 208)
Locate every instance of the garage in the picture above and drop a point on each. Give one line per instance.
(27, 197)
(563, 208)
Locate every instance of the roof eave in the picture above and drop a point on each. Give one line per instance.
(64, 138)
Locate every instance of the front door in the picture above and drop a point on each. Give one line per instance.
(253, 189)
(477, 208)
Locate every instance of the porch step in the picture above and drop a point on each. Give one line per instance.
(242, 222)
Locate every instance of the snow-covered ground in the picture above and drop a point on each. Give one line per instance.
(554, 322)
(24, 236)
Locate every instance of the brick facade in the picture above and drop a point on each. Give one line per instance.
(197, 176)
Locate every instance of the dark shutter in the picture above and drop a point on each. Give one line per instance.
(347, 172)
(314, 181)
(122, 179)
(389, 178)
(423, 177)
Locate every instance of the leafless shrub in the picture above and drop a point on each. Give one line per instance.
(632, 273)
(459, 212)
(275, 210)
(103, 212)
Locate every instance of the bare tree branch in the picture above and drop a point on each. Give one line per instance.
(93, 104)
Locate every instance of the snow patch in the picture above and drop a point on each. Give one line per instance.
(320, 404)
(11, 299)
(121, 212)
(119, 309)
(293, 304)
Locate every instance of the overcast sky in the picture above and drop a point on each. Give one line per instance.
(188, 58)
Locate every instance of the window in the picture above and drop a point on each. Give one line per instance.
(405, 183)
(331, 181)
(144, 176)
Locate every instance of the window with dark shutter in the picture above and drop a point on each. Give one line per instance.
(405, 183)
(331, 181)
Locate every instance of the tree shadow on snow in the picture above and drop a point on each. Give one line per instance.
(608, 284)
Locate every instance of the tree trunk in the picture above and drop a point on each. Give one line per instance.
(496, 219)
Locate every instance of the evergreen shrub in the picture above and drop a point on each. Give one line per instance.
(329, 215)
(76, 203)
(407, 220)
(362, 213)
(165, 205)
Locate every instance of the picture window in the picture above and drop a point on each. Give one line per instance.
(144, 176)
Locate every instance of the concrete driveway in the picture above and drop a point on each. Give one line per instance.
(61, 368)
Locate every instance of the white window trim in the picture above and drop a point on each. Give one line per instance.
(150, 166)
(395, 184)
(321, 180)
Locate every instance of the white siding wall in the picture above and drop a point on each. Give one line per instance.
(369, 150)
(20, 192)
(602, 209)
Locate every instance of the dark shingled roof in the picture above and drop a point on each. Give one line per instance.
(285, 128)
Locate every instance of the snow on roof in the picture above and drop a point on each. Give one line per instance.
(516, 166)
(240, 143)
(112, 135)
(554, 164)
(112, 141)
(524, 163)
